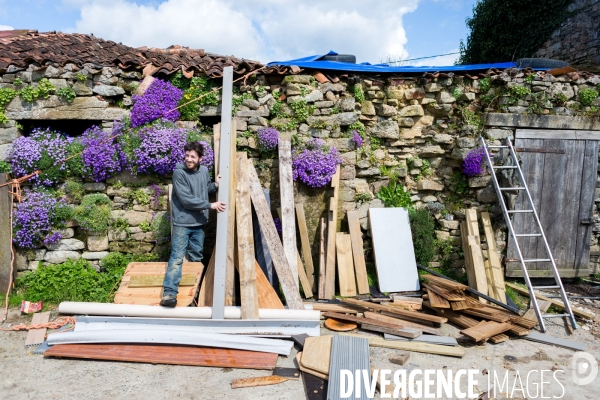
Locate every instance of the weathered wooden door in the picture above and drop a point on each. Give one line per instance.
(561, 175)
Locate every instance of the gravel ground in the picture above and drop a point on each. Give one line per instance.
(28, 376)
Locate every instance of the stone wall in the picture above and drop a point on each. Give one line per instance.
(578, 39)
(417, 128)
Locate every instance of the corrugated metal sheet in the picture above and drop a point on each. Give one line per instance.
(349, 353)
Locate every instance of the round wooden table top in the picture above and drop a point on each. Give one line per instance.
(339, 326)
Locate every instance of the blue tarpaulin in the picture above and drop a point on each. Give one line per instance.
(314, 63)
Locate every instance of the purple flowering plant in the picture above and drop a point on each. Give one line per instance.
(100, 156)
(208, 159)
(37, 219)
(160, 98)
(268, 138)
(473, 163)
(315, 163)
(357, 139)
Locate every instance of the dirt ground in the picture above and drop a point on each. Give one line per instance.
(24, 375)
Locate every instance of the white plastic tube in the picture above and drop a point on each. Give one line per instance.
(133, 310)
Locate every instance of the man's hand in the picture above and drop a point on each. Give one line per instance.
(217, 179)
(218, 205)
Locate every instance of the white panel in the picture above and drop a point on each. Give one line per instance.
(393, 249)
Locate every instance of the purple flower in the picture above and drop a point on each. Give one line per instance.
(208, 159)
(473, 163)
(316, 163)
(24, 155)
(160, 98)
(358, 141)
(160, 149)
(35, 218)
(100, 156)
(268, 138)
(278, 225)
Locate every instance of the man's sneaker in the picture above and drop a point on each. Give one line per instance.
(168, 300)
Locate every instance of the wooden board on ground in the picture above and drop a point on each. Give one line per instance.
(451, 295)
(161, 354)
(402, 323)
(377, 326)
(286, 192)
(302, 368)
(543, 306)
(306, 248)
(35, 337)
(316, 353)
(413, 346)
(555, 303)
(464, 321)
(495, 273)
(284, 272)
(400, 313)
(343, 308)
(393, 250)
(436, 300)
(157, 280)
(245, 241)
(415, 303)
(322, 257)
(444, 283)
(257, 381)
(345, 265)
(331, 237)
(152, 295)
(485, 330)
(360, 267)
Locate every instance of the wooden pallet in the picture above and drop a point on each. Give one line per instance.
(152, 295)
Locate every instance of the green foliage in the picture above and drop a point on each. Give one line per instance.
(81, 77)
(457, 93)
(526, 25)
(237, 100)
(5, 167)
(422, 227)
(276, 110)
(375, 142)
(529, 78)
(485, 84)
(472, 118)
(140, 196)
(192, 89)
(359, 95)
(75, 190)
(459, 184)
(17, 82)
(362, 197)
(44, 88)
(6, 95)
(519, 92)
(301, 110)
(93, 214)
(587, 96)
(360, 128)
(66, 93)
(161, 228)
(118, 185)
(559, 99)
(145, 226)
(445, 250)
(120, 225)
(335, 110)
(394, 195)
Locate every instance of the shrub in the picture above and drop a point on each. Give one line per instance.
(315, 163)
(422, 227)
(268, 138)
(37, 219)
(94, 212)
(394, 195)
(160, 98)
(100, 155)
(194, 88)
(588, 96)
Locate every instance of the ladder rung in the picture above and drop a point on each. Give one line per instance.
(555, 315)
(545, 287)
(512, 188)
(503, 167)
(519, 211)
(497, 147)
(538, 260)
(528, 235)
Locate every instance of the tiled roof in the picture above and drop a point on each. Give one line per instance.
(23, 47)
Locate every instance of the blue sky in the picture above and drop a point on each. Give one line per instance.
(266, 30)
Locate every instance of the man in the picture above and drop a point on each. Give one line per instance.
(189, 204)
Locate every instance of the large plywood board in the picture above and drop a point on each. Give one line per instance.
(393, 249)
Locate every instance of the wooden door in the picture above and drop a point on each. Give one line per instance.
(561, 175)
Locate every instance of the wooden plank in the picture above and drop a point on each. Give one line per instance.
(478, 267)
(360, 267)
(306, 248)
(157, 280)
(452, 295)
(492, 317)
(378, 326)
(412, 346)
(436, 300)
(555, 303)
(230, 289)
(586, 207)
(415, 303)
(216, 146)
(331, 231)
(37, 336)
(466, 322)
(316, 353)
(444, 283)
(392, 310)
(308, 370)
(398, 322)
(464, 236)
(400, 358)
(267, 296)
(205, 297)
(286, 192)
(562, 134)
(304, 282)
(342, 308)
(288, 285)
(223, 222)
(530, 314)
(496, 289)
(393, 250)
(322, 257)
(245, 241)
(345, 265)
(258, 381)
(485, 330)
(162, 354)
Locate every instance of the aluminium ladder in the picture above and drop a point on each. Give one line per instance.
(507, 213)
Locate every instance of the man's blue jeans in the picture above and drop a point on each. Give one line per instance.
(188, 240)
